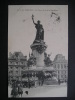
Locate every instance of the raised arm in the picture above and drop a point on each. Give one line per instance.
(33, 19)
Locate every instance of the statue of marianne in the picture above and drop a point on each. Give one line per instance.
(40, 30)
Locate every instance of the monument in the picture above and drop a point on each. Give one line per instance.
(38, 47)
(40, 69)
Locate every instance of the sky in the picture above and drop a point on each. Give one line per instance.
(22, 32)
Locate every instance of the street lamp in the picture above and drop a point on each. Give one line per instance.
(28, 76)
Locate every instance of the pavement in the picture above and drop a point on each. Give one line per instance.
(44, 91)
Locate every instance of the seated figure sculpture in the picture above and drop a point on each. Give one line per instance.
(31, 60)
(47, 60)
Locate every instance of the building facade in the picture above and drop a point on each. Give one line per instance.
(18, 69)
(16, 63)
(60, 65)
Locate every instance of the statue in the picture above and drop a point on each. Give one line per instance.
(40, 30)
(31, 60)
(47, 60)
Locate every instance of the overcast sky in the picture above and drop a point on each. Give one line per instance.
(22, 32)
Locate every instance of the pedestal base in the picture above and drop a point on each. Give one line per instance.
(38, 49)
(39, 58)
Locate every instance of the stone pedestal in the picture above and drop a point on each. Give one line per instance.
(38, 50)
(39, 58)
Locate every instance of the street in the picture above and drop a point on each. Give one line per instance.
(44, 91)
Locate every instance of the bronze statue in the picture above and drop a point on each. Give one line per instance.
(40, 30)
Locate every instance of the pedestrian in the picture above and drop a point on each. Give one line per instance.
(39, 82)
(42, 81)
(14, 91)
(59, 81)
(29, 85)
(20, 89)
(35, 84)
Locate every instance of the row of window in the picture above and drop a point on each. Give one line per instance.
(15, 77)
(62, 76)
(30, 74)
(11, 72)
(62, 72)
(60, 66)
(17, 62)
(11, 67)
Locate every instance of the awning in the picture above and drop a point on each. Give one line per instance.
(40, 69)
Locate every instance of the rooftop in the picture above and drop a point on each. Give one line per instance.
(16, 55)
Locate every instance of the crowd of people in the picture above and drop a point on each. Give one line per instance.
(17, 89)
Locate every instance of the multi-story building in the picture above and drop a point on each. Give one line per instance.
(18, 69)
(61, 67)
(16, 63)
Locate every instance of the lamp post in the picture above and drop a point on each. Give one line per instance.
(28, 75)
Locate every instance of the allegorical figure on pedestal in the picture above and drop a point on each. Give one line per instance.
(47, 59)
(40, 30)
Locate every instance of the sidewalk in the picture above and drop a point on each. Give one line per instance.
(47, 91)
(62, 84)
(53, 92)
(44, 91)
